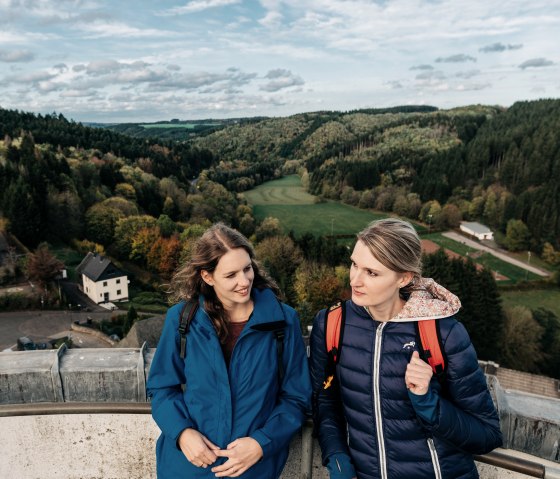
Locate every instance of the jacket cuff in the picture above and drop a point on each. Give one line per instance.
(177, 431)
(426, 405)
(340, 467)
(263, 440)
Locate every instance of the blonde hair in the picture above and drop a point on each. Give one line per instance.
(395, 244)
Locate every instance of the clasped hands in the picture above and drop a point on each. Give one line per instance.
(241, 454)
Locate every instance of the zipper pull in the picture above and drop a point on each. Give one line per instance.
(338, 465)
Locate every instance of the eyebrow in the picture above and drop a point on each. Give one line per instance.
(227, 273)
(365, 267)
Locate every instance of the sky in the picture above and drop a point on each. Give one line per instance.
(140, 61)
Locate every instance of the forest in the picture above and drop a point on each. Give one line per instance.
(142, 200)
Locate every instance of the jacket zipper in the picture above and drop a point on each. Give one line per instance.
(435, 459)
(377, 401)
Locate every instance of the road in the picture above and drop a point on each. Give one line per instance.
(497, 253)
(41, 326)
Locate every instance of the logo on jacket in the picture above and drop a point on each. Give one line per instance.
(409, 346)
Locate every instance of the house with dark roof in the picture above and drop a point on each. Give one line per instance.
(102, 281)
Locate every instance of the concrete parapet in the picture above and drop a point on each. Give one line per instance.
(529, 423)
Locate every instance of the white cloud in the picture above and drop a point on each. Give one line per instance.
(14, 56)
(199, 6)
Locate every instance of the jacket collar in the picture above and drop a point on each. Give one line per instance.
(429, 300)
(266, 309)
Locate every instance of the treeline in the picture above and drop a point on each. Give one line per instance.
(480, 163)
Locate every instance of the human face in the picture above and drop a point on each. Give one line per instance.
(374, 285)
(232, 278)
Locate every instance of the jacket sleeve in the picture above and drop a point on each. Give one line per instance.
(328, 416)
(294, 397)
(165, 378)
(467, 417)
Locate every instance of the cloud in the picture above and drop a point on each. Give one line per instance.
(280, 79)
(459, 58)
(395, 84)
(536, 63)
(422, 67)
(430, 75)
(15, 56)
(467, 74)
(499, 47)
(198, 6)
(173, 67)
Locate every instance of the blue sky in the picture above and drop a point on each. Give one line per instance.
(135, 61)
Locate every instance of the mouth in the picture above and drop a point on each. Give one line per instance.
(243, 291)
(357, 293)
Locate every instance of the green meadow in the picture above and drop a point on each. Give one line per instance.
(533, 299)
(514, 273)
(298, 211)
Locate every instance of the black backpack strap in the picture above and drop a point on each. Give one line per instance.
(187, 314)
(278, 329)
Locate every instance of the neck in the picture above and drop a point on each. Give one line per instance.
(386, 312)
(240, 313)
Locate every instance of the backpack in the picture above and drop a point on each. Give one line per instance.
(427, 334)
(276, 327)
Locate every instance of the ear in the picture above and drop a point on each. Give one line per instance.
(406, 278)
(207, 277)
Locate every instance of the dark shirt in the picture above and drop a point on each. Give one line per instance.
(234, 330)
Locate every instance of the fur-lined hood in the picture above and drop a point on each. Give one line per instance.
(428, 300)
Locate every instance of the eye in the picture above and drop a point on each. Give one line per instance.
(352, 264)
(371, 273)
(248, 268)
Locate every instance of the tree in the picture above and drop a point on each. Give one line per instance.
(281, 257)
(522, 335)
(549, 365)
(101, 222)
(43, 266)
(517, 235)
(316, 286)
(269, 227)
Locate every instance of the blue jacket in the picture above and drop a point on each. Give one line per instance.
(369, 416)
(223, 403)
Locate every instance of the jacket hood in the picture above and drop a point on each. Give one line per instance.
(429, 301)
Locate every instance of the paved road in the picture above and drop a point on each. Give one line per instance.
(497, 253)
(41, 326)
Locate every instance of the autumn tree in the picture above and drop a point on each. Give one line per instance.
(43, 266)
(316, 287)
(281, 257)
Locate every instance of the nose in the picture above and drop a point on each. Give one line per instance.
(355, 278)
(244, 280)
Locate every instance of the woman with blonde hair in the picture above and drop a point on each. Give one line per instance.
(386, 415)
(231, 407)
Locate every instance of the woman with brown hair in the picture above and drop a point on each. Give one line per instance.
(246, 387)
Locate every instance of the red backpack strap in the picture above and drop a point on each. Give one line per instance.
(430, 346)
(334, 330)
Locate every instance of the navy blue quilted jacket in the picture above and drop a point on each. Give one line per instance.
(369, 415)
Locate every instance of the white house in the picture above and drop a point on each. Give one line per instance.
(102, 281)
(476, 229)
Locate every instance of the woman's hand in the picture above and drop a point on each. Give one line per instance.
(197, 448)
(418, 375)
(242, 454)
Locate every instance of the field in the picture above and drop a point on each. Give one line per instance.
(533, 299)
(514, 273)
(299, 212)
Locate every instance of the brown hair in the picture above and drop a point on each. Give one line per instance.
(187, 283)
(396, 245)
